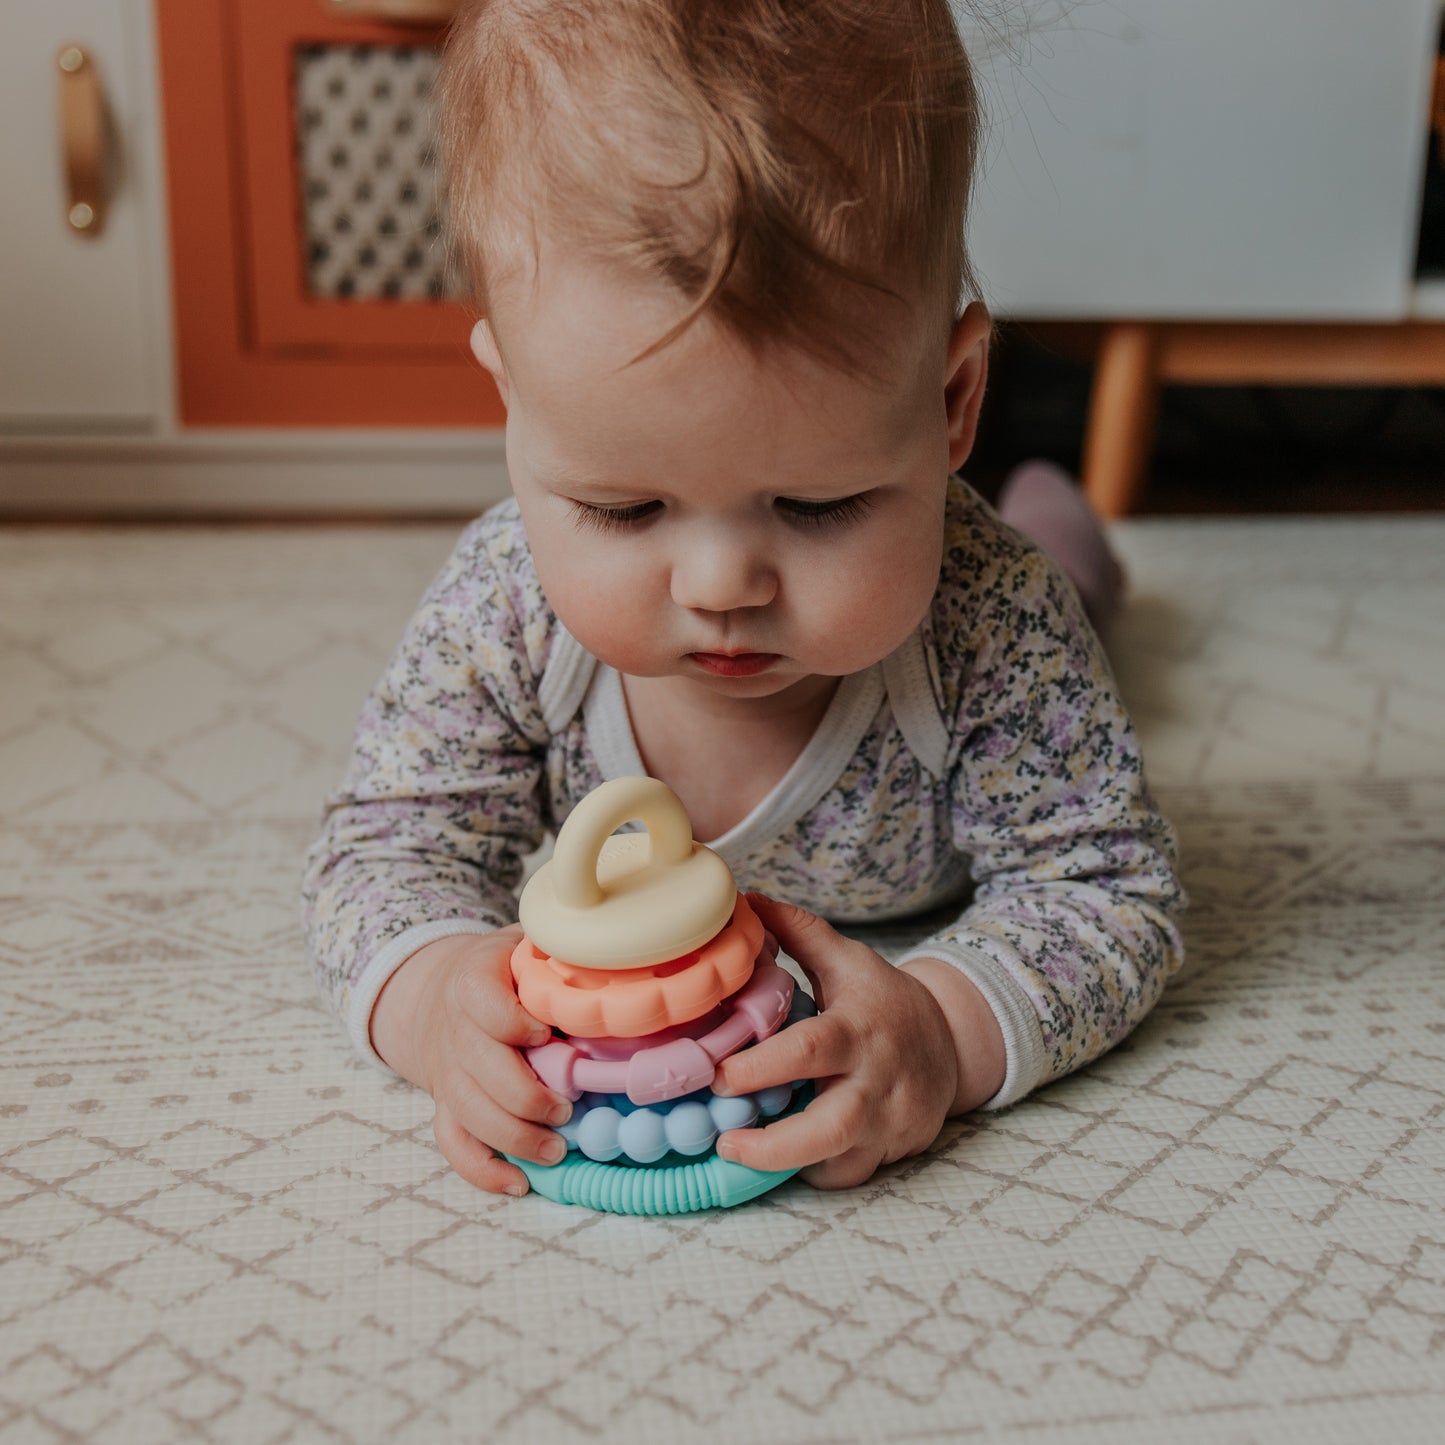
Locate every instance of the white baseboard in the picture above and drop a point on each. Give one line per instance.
(272, 473)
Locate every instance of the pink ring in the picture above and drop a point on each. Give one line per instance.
(677, 1065)
(627, 1003)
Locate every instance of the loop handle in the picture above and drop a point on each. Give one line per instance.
(598, 816)
(627, 900)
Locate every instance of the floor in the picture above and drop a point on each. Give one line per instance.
(216, 1225)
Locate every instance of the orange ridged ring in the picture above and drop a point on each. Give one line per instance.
(628, 1003)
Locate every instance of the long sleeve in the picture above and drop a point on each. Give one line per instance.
(1070, 934)
(440, 803)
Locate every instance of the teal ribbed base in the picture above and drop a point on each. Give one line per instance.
(710, 1183)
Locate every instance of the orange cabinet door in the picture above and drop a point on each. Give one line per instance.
(310, 282)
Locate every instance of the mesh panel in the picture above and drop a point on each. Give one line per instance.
(366, 125)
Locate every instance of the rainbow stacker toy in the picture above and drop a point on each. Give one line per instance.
(651, 969)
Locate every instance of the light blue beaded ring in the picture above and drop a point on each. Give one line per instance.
(605, 1127)
(626, 1158)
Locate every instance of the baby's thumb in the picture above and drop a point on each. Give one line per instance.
(813, 941)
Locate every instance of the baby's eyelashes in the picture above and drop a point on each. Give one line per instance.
(804, 511)
(588, 515)
(839, 510)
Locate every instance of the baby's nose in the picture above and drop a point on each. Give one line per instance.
(718, 576)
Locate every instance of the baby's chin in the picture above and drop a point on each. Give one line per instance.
(782, 677)
(789, 688)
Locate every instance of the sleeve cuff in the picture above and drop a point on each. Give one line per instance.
(1026, 1057)
(384, 963)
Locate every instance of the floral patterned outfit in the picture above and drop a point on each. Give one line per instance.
(992, 745)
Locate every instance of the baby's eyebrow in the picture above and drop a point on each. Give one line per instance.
(568, 481)
(829, 487)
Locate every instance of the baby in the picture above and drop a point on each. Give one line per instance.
(717, 246)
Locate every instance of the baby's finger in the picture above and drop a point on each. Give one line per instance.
(813, 941)
(482, 1117)
(474, 1161)
(816, 1048)
(843, 1171)
(484, 993)
(506, 1076)
(829, 1126)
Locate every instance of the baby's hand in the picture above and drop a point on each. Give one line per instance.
(449, 1020)
(881, 1050)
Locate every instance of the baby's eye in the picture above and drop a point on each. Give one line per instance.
(837, 510)
(612, 519)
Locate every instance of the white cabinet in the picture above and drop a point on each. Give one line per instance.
(1194, 160)
(1177, 158)
(79, 318)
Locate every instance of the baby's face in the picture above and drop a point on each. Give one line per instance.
(743, 524)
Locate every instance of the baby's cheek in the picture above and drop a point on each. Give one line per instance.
(860, 618)
(615, 623)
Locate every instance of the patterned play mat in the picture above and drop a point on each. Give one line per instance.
(217, 1225)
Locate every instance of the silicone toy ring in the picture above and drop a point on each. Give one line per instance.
(603, 1046)
(593, 1003)
(677, 1066)
(711, 1183)
(646, 1133)
(629, 901)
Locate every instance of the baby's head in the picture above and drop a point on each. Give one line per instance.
(718, 250)
(799, 170)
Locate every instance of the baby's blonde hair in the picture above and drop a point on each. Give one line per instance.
(796, 168)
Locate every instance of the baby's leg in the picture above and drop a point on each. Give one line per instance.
(1044, 503)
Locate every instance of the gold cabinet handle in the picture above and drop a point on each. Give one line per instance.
(401, 12)
(84, 128)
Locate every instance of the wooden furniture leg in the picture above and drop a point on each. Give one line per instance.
(1121, 417)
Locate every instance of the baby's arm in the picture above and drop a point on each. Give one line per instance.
(412, 876)
(1065, 949)
(1071, 934)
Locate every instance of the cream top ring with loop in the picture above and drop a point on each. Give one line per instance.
(629, 1003)
(631, 900)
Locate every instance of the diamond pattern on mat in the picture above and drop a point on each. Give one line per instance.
(216, 1224)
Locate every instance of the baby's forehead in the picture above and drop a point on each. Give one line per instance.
(556, 300)
(581, 403)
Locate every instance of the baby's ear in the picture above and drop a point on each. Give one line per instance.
(484, 348)
(966, 375)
